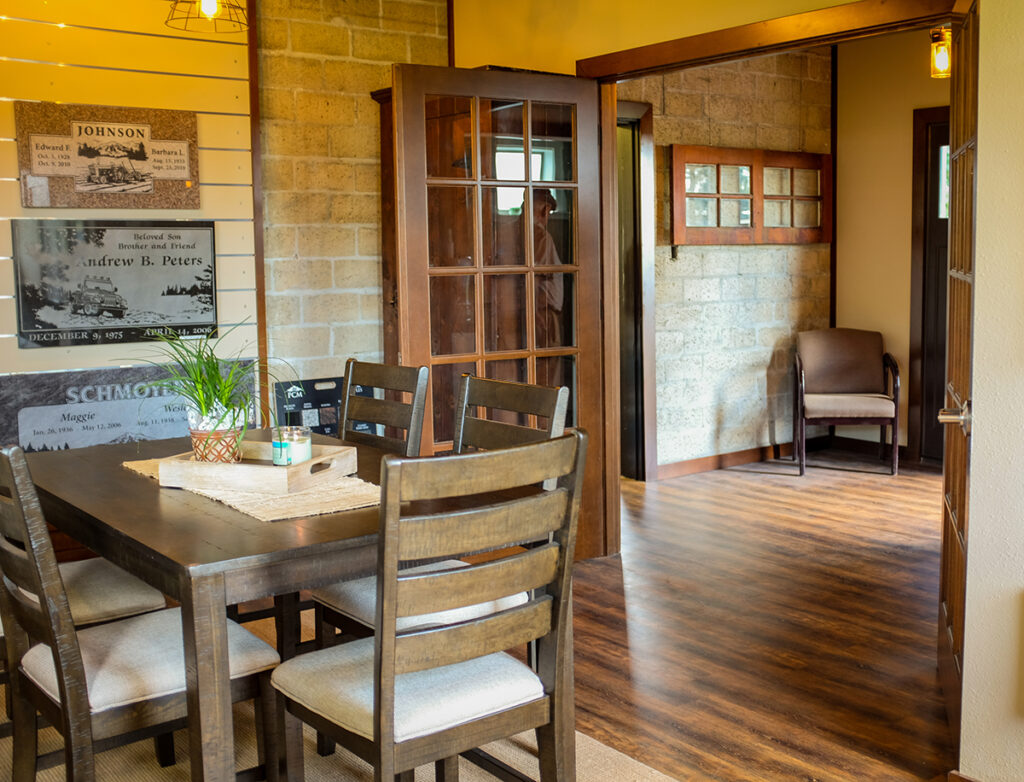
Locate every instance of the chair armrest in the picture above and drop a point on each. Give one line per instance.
(893, 369)
(798, 391)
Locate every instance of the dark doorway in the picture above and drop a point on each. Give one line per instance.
(631, 355)
(930, 246)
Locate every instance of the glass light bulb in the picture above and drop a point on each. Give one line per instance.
(941, 59)
(209, 8)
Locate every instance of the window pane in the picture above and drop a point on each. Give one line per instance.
(806, 182)
(701, 212)
(554, 213)
(502, 147)
(560, 371)
(776, 214)
(735, 212)
(552, 134)
(944, 182)
(735, 179)
(806, 214)
(449, 136)
(444, 382)
(450, 226)
(452, 322)
(776, 181)
(554, 308)
(504, 230)
(504, 312)
(700, 178)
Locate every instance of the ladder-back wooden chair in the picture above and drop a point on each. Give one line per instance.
(844, 377)
(409, 697)
(103, 685)
(391, 413)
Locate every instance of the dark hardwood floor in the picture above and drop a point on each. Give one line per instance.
(761, 626)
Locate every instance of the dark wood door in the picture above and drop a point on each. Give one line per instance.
(956, 462)
(495, 267)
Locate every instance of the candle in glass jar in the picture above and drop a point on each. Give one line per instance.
(292, 445)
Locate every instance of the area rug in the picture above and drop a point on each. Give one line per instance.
(595, 762)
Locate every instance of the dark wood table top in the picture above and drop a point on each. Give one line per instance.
(88, 494)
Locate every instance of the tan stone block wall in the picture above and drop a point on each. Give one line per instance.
(319, 62)
(726, 317)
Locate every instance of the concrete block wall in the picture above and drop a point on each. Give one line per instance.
(319, 62)
(726, 317)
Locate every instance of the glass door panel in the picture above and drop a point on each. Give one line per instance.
(553, 299)
(450, 219)
(552, 131)
(504, 229)
(449, 135)
(452, 315)
(502, 143)
(504, 312)
(444, 385)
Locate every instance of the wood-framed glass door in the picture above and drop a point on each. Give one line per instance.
(497, 243)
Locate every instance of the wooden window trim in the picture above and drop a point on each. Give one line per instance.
(757, 232)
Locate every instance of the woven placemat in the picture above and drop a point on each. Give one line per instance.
(340, 494)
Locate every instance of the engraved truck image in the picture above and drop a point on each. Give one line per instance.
(117, 173)
(96, 295)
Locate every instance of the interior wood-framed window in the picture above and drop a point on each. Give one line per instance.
(750, 196)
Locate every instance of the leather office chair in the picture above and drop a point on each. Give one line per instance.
(408, 697)
(103, 685)
(844, 377)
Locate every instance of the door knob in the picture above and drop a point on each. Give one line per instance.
(957, 415)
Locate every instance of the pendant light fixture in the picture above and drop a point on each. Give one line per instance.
(942, 58)
(208, 16)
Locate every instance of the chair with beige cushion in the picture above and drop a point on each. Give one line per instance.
(410, 697)
(844, 377)
(102, 685)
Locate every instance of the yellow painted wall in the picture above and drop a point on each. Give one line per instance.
(122, 54)
(880, 82)
(547, 35)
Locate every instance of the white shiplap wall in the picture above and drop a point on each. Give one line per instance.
(120, 53)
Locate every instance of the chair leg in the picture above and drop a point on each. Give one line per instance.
(802, 446)
(163, 745)
(324, 633)
(895, 446)
(269, 748)
(556, 753)
(447, 770)
(406, 776)
(26, 741)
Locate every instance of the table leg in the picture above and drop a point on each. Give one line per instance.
(288, 625)
(211, 736)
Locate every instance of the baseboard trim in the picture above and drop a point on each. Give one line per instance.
(955, 776)
(721, 461)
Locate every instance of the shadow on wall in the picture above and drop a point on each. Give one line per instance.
(779, 392)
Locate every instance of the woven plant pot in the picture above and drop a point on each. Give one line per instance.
(217, 445)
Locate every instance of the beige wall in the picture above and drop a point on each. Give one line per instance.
(880, 82)
(319, 62)
(725, 317)
(993, 701)
(547, 35)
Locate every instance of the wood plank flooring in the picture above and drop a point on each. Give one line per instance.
(761, 626)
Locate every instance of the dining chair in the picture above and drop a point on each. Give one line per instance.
(350, 606)
(844, 377)
(412, 696)
(388, 412)
(103, 685)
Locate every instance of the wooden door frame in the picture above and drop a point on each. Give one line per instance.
(919, 198)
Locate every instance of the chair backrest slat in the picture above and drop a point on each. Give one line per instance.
(392, 412)
(501, 398)
(433, 648)
(443, 590)
(479, 529)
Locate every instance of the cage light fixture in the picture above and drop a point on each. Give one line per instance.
(941, 56)
(208, 16)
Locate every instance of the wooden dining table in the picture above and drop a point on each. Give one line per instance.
(205, 555)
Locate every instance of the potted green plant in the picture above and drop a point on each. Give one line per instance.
(219, 393)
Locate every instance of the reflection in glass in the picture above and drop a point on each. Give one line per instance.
(806, 214)
(776, 181)
(444, 382)
(735, 179)
(776, 213)
(552, 131)
(450, 226)
(560, 371)
(735, 212)
(554, 223)
(701, 212)
(700, 178)
(554, 308)
(806, 182)
(449, 136)
(452, 323)
(504, 312)
(504, 230)
(502, 147)
(944, 182)
(513, 370)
